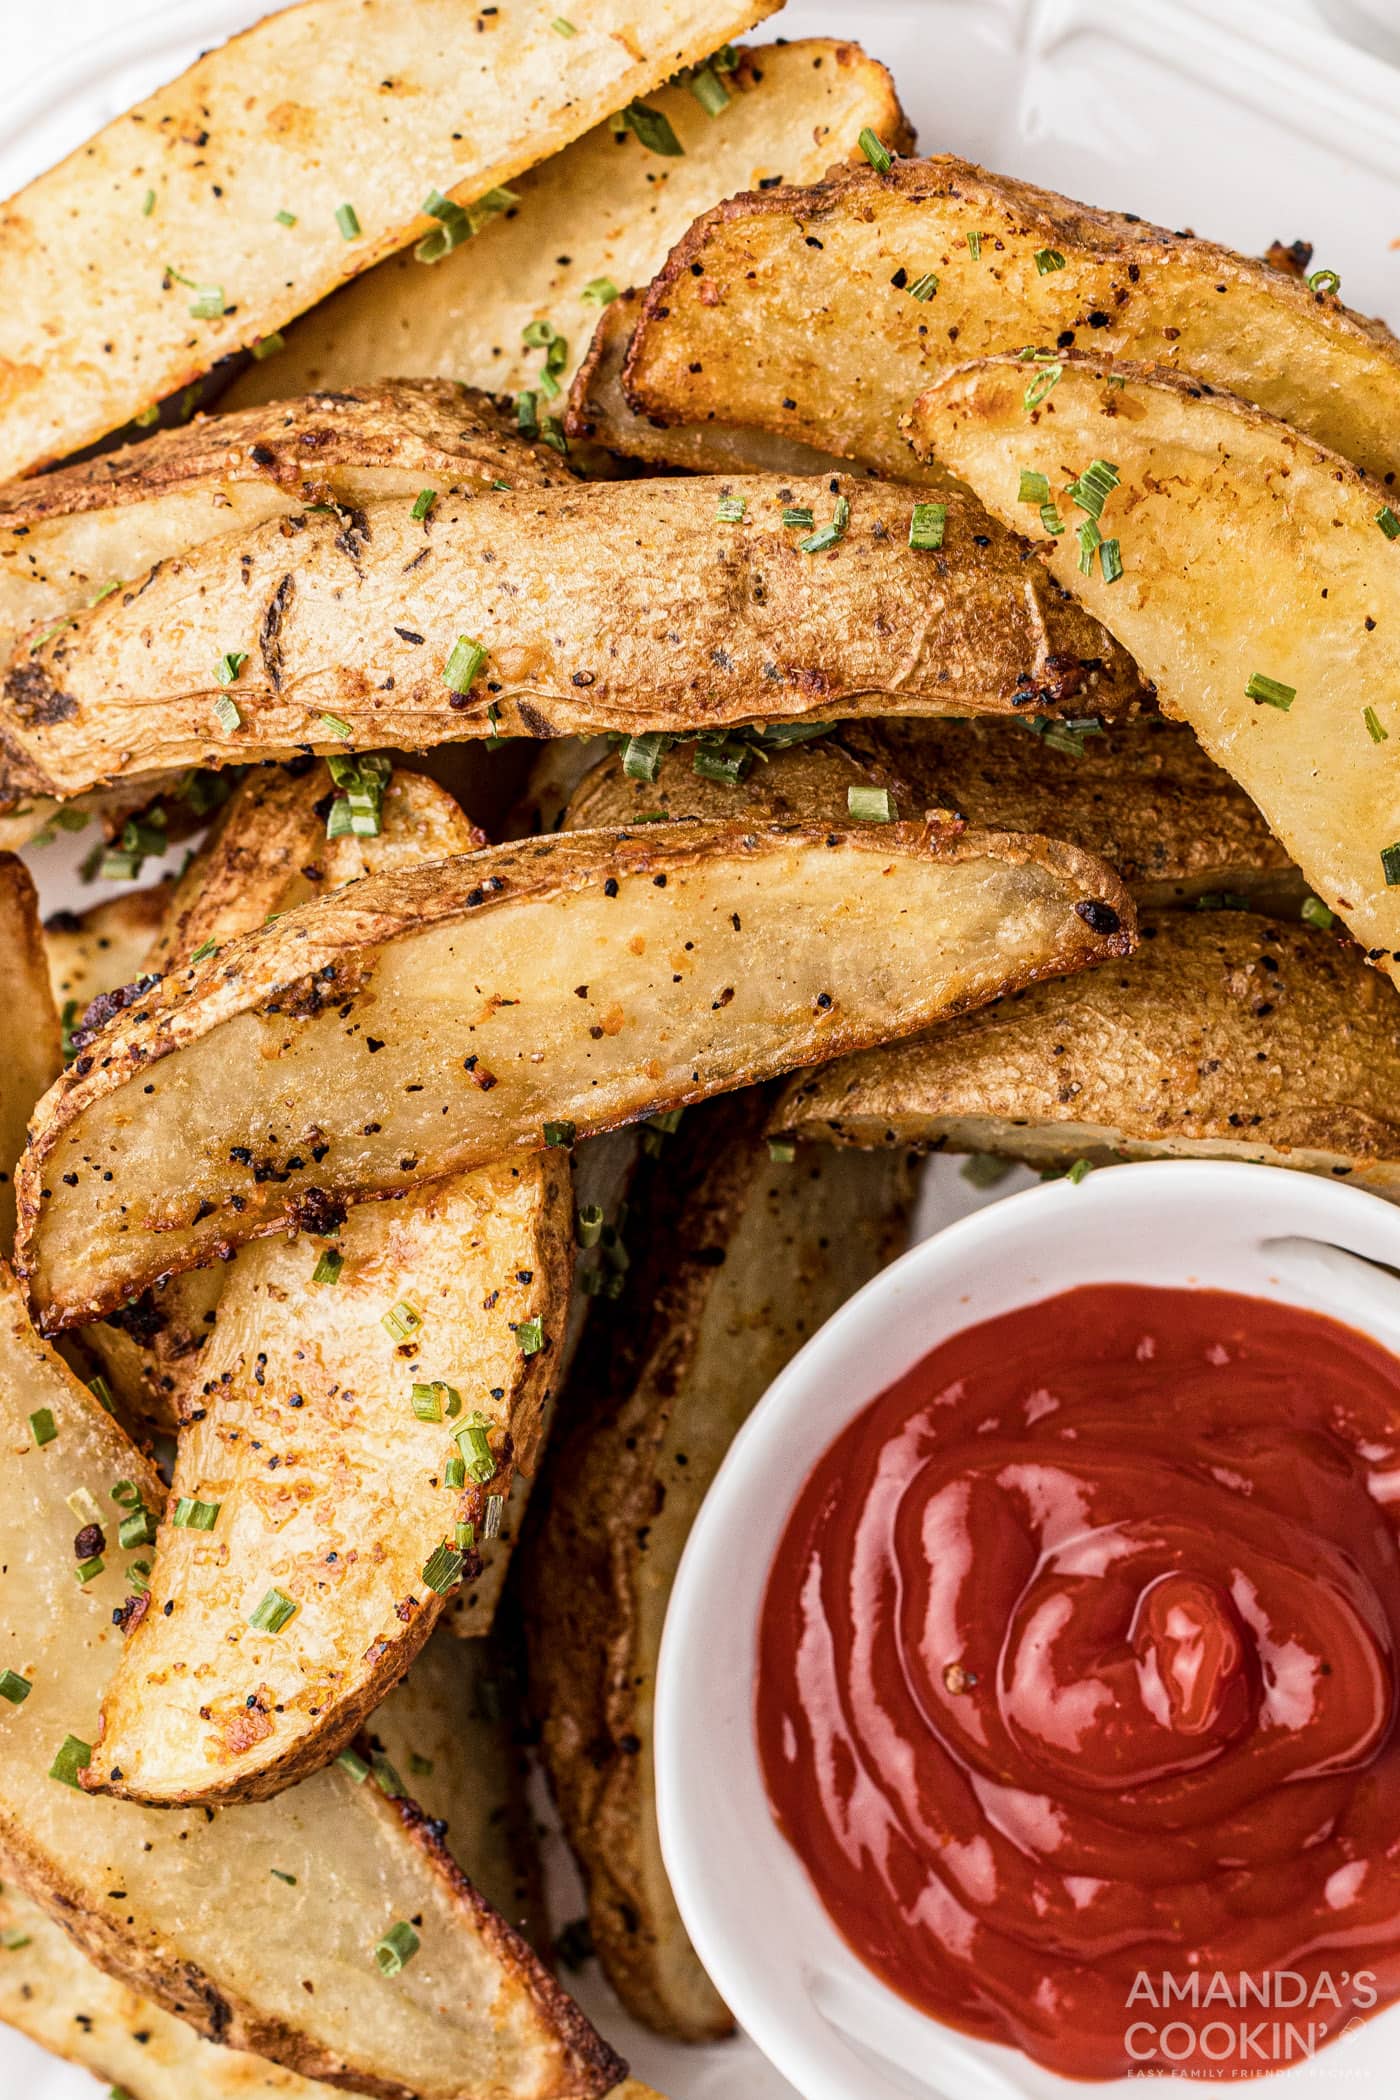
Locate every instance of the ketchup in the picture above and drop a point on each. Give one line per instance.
(1076, 1687)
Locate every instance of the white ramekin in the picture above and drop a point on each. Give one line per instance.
(826, 2022)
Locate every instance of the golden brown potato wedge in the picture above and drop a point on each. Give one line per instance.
(625, 606)
(1260, 587)
(738, 1259)
(316, 1448)
(30, 1053)
(820, 313)
(1225, 1035)
(461, 1766)
(424, 1022)
(602, 214)
(1143, 796)
(163, 244)
(107, 945)
(187, 1907)
(69, 535)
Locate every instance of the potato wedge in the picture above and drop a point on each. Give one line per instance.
(107, 945)
(30, 1052)
(70, 534)
(737, 1259)
(1144, 797)
(317, 1429)
(804, 311)
(603, 212)
(626, 606)
(332, 113)
(589, 980)
(463, 1767)
(600, 412)
(1256, 566)
(287, 1969)
(1225, 1036)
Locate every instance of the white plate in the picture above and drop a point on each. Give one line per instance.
(1247, 123)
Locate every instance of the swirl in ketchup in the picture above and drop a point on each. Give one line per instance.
(1077, 1681)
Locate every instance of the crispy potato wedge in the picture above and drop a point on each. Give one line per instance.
(109, 944)
(625, 606)
(70, 534)
(1225, 1035)
(338, 112)
(286, 1970)
(737, 1260)
(603, 209)
(30, 1049)
(600, 413)
(462, 1766)
(1249, 554)
(791, 309)
(319, 1424)
(1144, 797)
(428, 1021)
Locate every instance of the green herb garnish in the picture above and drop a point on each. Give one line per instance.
(400, 1943)
(463, 665)
(876, 152)
(192, 1515)
(273, 1613)
(926, 526)
(871, 805)
(348, 220)
(1271, 691)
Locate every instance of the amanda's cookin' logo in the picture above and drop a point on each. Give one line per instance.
(1274, 2017)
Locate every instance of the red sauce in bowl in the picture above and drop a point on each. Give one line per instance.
(1076, 1691)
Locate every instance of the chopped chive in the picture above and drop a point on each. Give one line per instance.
(1324, 281)
(731, 509)
(229, 665)
(1315, 913)
(491, 1518)
(561, 1133)
(527, 420)
(600, 291)
(1078, 1171)
(102, 1393)
(402, 1321)
(278, 1875)
(74, 1756)
(193, 1515)
(1035, 488)
(926, 526)
(782, 1151)
(529, 1335)
(423, 503)
(475, 1446)
(454, 1473)
(12, 1939)
(923, 288)
(351, 1761)
(83, 1506)
(1390, 863)
(1389, 522)
(144, 417)
(871, 805)
(397, 1948)
(828, 535)
(204, 951)
(1050, 519)
(14, 1687)
(328, 1266)
(562, 26)
(335, 725)
(285, 218)
(420, 1767)
(138, 1576)
(269, 345)
(42, 1426)
(348, 220)
(1090, 539)
(878, 154)
(1375, 728)
(442, 1570)
(225, 712)
(463, 665)
(1271, 691)
(1045, 381)
(799, 516)
(148, 204)
(273, 1613)
(138, 1529)
(709, 91)
(87, 1570)
(1093, 487)
(652, 129)
(1047, 259)
(983, 1170)
(588, 1224)
(465, 1534)
(974, 246)
(1111, 561)
(725, 761)
(126, 1494)
(641, 755)
(438, 1395)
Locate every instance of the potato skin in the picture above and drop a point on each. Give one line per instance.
(1225, 1035)
(624, 606)
(789, 309)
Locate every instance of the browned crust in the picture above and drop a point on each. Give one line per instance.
(298, 959)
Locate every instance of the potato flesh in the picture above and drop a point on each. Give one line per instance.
(717, 959)
(751, 323)
(599, 209)
(1246, 551)
(30, 1051)
(280, 119)
(201, 1923)
(624, 606)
